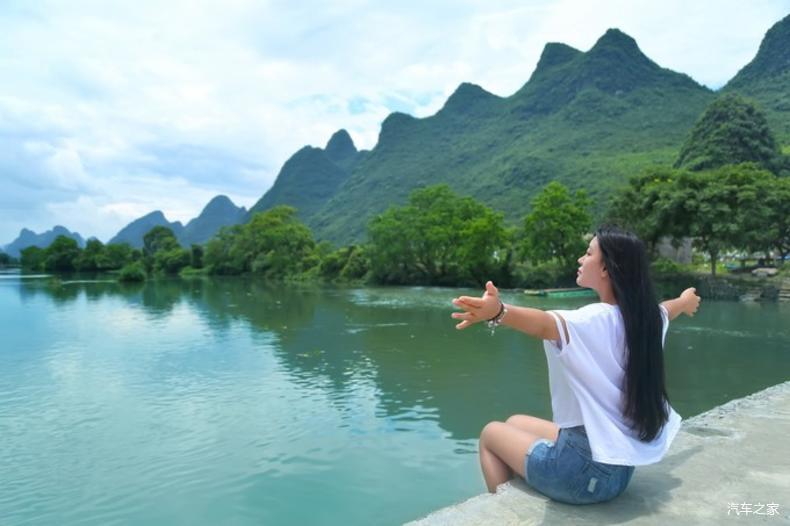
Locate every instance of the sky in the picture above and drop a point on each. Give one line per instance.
(110, 110)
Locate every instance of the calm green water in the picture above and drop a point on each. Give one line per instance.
(229, 402)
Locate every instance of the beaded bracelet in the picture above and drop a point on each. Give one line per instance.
(494, 322)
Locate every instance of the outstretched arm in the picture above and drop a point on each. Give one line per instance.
(534, 322)
(687, 302)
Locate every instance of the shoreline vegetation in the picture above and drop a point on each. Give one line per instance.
(442, 239)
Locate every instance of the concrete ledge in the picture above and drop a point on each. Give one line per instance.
(738, 452)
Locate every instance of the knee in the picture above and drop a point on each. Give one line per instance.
(488, 429)
(512, 420)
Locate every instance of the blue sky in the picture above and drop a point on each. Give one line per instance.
(110, 110)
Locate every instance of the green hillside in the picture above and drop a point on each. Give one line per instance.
(766, 79)
(311, 176)
(586, 119)
(732, 130)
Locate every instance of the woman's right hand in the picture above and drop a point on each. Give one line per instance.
(477, 309)
(690, 301)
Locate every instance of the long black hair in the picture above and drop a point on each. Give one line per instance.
(625, 260)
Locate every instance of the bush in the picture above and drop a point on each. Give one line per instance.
(132, 272)
(542, 275)
(666, 266)
(357, 265)
(171, 261)
(191, 272)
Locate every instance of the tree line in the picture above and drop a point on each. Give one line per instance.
(441, 238)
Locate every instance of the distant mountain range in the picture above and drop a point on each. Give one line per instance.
(219, 212)
(29, 238)
(587, 119)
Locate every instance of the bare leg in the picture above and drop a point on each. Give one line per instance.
(536, 426)
(503, 450)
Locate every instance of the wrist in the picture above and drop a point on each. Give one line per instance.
(684, 303)
(498, 312)
(494, 322)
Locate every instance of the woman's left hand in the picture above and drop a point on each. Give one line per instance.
(477, 309)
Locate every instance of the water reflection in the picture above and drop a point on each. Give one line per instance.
(402, 342)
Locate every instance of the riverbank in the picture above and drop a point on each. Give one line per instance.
(728, 287)
(734, 457)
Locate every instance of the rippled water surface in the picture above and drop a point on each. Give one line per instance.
(230, 402)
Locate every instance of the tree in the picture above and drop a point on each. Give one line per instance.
(357, 264)
(158, 238)
(278, 244)
(91, 256)
(753, 194)
(725, 208)
(221, 256)
(196, 256)
(332, 263)
(62, 254)
(778, 204)
(32, 258)
(116, 256)
(273, 243)
(171, 261)
(5, 259)
(438, 238)
(346, 263)
(133, 271)
(162, 253)
(732, 130)
(649, 206)
(554, 228)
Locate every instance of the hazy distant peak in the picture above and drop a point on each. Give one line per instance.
(28, 238)
(219, 202)
(156, 214)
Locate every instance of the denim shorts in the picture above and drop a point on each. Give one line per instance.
(566, 472)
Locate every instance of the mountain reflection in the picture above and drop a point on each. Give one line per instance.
(403, 342)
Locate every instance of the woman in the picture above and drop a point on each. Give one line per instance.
(606, 376)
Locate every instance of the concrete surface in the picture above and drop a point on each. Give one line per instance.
(731, 457)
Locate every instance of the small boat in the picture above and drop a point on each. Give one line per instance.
(575, 292)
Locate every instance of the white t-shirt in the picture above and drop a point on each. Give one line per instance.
(586, 379)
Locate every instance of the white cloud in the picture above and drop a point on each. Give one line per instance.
(110, 111)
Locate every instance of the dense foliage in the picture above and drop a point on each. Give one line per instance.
(162, 253)
(732, 130)
(742, 207)
(273, 244)
(64, 255)
(438, 238)
(554, 229)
